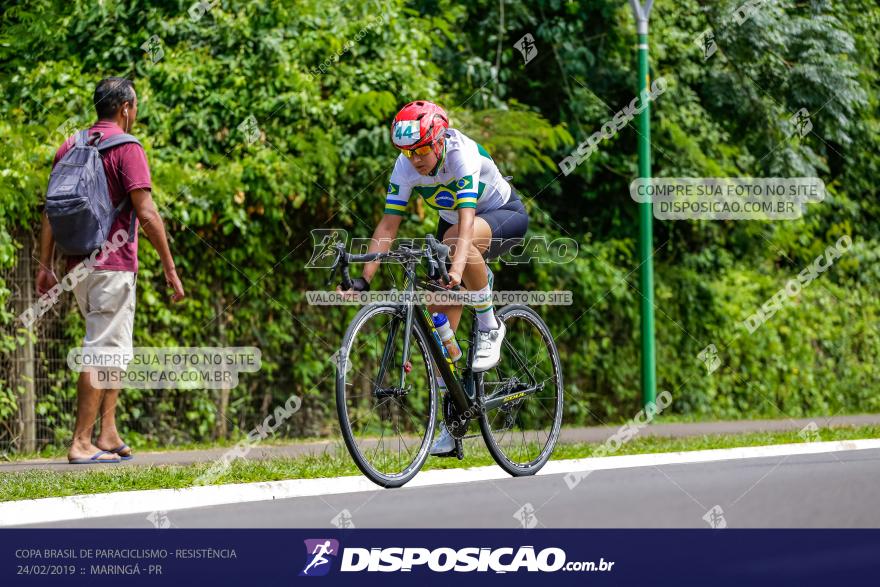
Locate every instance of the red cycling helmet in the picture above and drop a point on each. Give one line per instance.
(418, 124)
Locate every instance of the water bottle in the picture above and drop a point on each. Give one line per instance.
(447, 336)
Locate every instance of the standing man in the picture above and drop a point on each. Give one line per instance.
(106, 296)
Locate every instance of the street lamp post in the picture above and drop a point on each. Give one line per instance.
(646, 238)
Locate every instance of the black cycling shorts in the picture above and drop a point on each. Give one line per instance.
(508, 223)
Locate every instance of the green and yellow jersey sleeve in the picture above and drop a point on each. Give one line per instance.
(466, 191)
(399, 190)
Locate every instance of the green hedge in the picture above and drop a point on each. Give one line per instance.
(239, 215)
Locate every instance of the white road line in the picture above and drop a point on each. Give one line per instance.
(82, 507)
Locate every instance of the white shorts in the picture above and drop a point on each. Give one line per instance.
(106, 300)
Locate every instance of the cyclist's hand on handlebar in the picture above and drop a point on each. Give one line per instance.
(454, 280)
(357, 284)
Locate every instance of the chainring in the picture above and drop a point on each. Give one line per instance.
(455, 424)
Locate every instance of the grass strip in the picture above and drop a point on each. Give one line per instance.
(35, 484)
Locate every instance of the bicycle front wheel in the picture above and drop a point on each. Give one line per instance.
(387, 424)
(521, 432)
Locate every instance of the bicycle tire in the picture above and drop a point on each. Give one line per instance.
(498, 453)
(348, 434)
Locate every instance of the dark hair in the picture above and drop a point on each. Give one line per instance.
(110, 94)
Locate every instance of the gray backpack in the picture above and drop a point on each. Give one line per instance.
(78, 201)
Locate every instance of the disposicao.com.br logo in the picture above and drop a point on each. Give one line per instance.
(318, 551)
(444, 559)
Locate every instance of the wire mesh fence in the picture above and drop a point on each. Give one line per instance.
(35, 369)
(38, 389)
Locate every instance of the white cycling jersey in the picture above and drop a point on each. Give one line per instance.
(468, 178)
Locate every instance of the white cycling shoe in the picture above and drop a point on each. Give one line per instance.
(444, 444)
(489, 348)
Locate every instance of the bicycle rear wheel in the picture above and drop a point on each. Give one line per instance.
(387, 427)
(521, 433)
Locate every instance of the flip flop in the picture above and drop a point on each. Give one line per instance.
(94, 459)
(118, 450)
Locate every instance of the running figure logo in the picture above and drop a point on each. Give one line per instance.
(526, 45)
(317, 552)
(324, 246)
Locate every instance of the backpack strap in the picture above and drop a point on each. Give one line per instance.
(123, 205)
(109, 143)
(117, 140)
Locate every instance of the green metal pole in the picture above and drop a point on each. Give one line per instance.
(646, 237)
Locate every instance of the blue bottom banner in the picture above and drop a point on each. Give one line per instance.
(485, 557)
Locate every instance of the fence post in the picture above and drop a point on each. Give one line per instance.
(221, 429)
(23, 371)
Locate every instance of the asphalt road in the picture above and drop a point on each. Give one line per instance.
(840, 489)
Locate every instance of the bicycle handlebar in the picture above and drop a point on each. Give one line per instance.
(344, 258)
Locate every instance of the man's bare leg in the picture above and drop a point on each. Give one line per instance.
(109, 438)
(88, 399)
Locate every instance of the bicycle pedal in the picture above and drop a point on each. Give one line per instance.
(459, 450)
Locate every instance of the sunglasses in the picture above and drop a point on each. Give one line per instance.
(421, 151)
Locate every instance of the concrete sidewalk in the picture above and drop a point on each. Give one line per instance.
(596, 434)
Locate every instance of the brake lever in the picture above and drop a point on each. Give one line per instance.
(331, 279)
(442, 251)
(334, 269)
(346, 279)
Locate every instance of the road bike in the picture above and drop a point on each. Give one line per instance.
(387, 395)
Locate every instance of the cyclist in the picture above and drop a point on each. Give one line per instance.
(481, 218)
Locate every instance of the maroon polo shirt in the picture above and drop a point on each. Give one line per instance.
(126, 169)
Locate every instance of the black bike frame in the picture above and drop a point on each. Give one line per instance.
(462, 390)
(418, 315)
